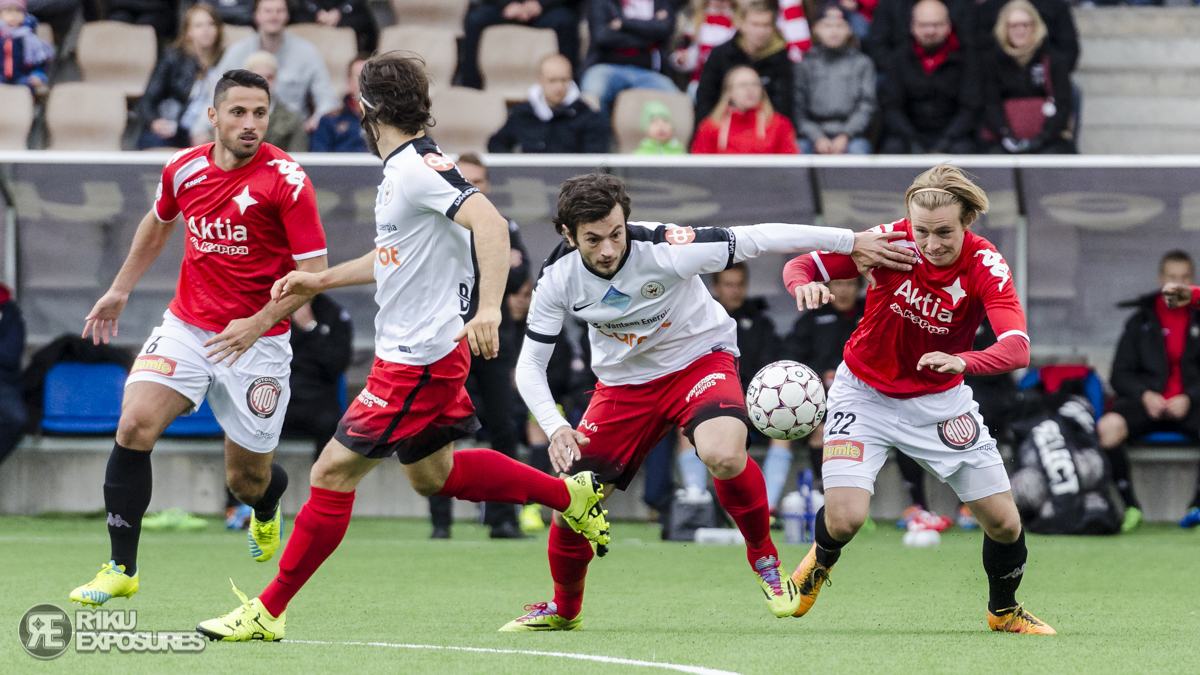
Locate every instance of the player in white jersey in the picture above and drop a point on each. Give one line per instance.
(665, 354)
(414, 405)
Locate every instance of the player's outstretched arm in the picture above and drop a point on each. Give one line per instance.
(152, 235)
(305, 283)
(478, 215)
(241, 334)
(535, 390)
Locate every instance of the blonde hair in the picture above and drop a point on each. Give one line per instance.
(945, 185)
(1000, 30)
(721, 116)
(261, 58)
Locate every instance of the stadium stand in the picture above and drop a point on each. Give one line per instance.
(117, 55)
(83, 398)
(509, 56)
(435, 45)
(85, 116)
(338, 47)
(17, 103)
(627, 115)
(433, 13)
(466, 118)
(235, 34)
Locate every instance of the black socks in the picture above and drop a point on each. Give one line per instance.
(127, 485)
(1118, 458)
(828, 548)
(1005, 565)
(264, 509)
(914, 479)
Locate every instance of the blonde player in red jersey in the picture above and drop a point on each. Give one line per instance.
(901, 384)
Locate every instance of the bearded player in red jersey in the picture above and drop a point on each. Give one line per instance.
(251, 217)
(901, 384)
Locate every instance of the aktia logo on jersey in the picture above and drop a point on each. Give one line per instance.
(615, 298)
(959, 433)
(925, 308)
(262, 397)
(851, 450)
(155, 364)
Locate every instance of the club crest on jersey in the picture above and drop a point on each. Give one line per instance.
(851, 450)
(680, 236)
(386, 190)
(615, 298)
(959, 433)
(652, 290)
(262, 397)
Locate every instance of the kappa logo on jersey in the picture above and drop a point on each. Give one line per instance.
(155, 364)
(959, 433)
(996, 265)
(438, 162)
(704, 385)
(851, 450)
(680, 236)
(615, 298)
(196, 181)
(292, 173)
(263, 396)
(370, 400)
(652, 290)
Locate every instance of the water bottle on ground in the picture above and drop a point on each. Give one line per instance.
(805, 479)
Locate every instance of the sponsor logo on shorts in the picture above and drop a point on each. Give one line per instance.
(263, 396)
(652, 290)
(851, 450)
(959, 433)
(155, 364)
(704, 385)
(584, 424)
(370, 400)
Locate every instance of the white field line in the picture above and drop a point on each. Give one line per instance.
(696, 670)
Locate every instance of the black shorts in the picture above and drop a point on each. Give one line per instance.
(1140, 423)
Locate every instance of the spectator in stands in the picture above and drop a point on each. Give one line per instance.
(658, 124)
(175, 96)
(561, 16)
(12, 347)
(930, 93)
(744, 121)
(627, 38)
(1061, 34)
(354, 14)
(1156, 377)
(285, 127)
(891, 25)
(302, 76)
(322, 345)
(817, 340)
(711, 25)
(24, 57)
(858, 16)
(835, 89)
(341, 131)
(758, 44)
(162, 15)
(554, 119)
(1027, 97)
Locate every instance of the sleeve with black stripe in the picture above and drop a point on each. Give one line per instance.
(436, 184)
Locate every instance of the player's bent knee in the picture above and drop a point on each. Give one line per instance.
(843, 525)
(725, 463)
(137, 432)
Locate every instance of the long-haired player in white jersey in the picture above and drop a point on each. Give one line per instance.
(414, 405)
(666, 355)
(901, 384)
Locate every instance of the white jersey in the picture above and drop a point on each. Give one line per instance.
(654, 316)
(423, 265)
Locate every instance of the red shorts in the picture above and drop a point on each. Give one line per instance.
(410, 411)
(625, 422)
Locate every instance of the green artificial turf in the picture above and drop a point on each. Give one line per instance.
(1121, 604)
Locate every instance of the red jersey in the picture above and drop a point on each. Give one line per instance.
(927, 309)
(245, 229)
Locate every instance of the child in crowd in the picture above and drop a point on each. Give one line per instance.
(24, 56)
(659, 126)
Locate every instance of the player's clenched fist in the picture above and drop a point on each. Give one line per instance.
(101, 322)
(483, 333)
(875, 249)
(564, 448)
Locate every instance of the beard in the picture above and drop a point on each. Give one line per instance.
(237, 149)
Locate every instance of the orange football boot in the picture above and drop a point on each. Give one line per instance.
(1019, 621)
(809, 577)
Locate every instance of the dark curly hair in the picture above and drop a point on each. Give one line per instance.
(589, 198)
(395, 91)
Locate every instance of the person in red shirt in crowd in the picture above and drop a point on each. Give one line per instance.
(901, 383)
(744, 121)
(1156, 374)
(251, 217)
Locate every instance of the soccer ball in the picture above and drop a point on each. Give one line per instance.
(786, 400)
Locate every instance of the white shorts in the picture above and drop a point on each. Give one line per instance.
(249, 400)
(943, 432)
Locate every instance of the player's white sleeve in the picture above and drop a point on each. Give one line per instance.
(535, 388)
(751, 241)
(435, 184)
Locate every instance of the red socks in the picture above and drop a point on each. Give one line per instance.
(482, 475)
(569, 553)
(318, 530)
(745, 498)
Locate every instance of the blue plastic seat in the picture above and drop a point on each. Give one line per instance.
(83, 398)
(1166, 438)
(1093, 387)
(342, 393)
(200, 423)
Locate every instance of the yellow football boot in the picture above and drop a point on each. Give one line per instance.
(111, 582)
(249, 622)
(783, 597)
(586, 514)
(1017, 620)
(542, 616)
(264, 537)
(809, 577)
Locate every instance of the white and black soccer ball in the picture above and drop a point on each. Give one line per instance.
(786, 400)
